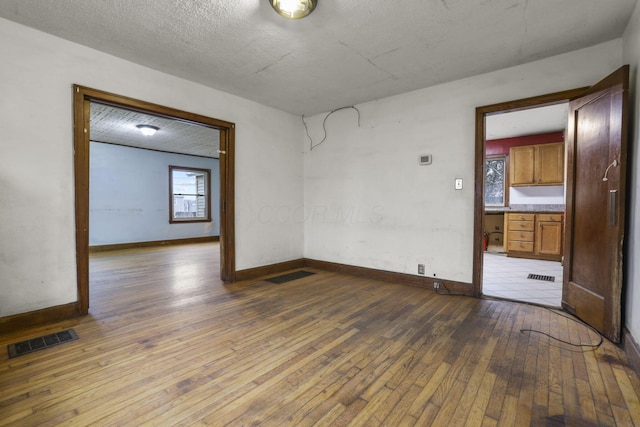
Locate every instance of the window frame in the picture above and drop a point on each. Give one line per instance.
(505, 187)
(207, 195)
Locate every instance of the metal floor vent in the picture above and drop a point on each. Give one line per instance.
(541, 277)
(278, 280)
(40, 343)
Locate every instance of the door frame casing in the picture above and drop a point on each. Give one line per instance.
(82, 97)
(481, 113)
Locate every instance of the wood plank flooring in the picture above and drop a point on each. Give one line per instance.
(166, 343)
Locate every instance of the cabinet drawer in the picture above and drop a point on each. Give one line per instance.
(550, 217)
(520, 236)
(520, 225)
(521, 217)
(519, 246)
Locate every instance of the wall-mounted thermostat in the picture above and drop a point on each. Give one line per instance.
(425, 159)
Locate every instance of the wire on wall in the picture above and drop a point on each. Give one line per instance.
(324, 126)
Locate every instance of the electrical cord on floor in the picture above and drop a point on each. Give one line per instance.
(522, 331)
(324, 126)
(578, 321)
(559, 313)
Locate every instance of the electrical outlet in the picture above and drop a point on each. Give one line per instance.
(421, 269)
(436, 285)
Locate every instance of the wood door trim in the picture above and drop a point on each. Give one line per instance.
(82, 96)
(481, 113)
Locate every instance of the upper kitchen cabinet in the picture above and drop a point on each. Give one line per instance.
(541, 164)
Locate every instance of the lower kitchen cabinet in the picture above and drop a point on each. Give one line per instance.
(534, 235)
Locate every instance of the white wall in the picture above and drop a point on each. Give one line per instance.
(541, 195)
(129, 195)
(370, 204)
(37, 245)
(631, 54)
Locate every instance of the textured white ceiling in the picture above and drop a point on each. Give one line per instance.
(118, 126)
(550, 118)
(345, 53)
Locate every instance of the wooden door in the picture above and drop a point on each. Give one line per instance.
(596, 174)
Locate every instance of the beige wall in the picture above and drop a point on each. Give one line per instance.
(381, 208)
(37, 227)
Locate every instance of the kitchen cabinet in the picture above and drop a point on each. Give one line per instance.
(548, 236)
(534, 235)
(531, 165)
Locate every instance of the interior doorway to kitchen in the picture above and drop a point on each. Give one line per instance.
(524, 204)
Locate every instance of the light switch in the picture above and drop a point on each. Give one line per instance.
(458, 185)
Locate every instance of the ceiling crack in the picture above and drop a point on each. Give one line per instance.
(272, 64)
(369, 60)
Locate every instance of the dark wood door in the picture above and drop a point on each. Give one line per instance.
(596, 174)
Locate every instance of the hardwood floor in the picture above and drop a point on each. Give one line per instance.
(166, 343)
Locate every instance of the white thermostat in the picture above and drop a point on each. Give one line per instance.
(425, 159)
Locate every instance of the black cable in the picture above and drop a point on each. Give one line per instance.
(559, 313)
(578, 321)
(324, 126)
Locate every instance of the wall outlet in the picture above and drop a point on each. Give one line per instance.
(420, 268)
(436, 285)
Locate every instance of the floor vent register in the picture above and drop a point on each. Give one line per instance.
(40, 343)
(541, 277)
(278, 280)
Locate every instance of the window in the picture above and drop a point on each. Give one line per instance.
(494, 181)
(189, 194)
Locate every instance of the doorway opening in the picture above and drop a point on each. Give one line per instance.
(524, 204)
(498, 123)
(593, 226)
(83, 100)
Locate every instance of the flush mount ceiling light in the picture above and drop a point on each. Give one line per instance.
(294, 9)
(148, 130)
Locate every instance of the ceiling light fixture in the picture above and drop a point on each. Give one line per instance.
(294, 9)
(148, 130)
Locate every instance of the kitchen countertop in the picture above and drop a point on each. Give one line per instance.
(525, 208)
